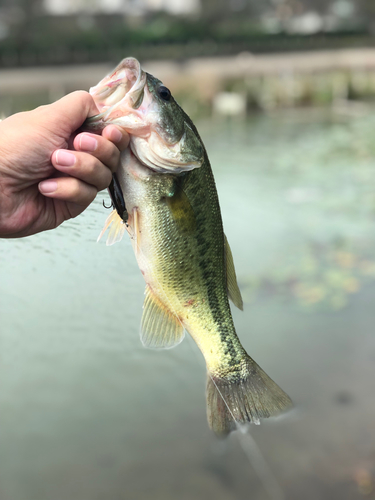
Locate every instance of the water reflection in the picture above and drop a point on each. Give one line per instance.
(87, 413)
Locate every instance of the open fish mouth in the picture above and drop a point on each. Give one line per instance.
(123, 88)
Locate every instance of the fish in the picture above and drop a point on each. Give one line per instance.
(165, 198)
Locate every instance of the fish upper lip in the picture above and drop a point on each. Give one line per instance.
(122, 75)
(135, 90)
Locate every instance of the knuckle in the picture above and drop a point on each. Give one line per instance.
(115, 157)
(104, 180)
(92, 165)
(125, 142)
(91, 194)
(83, 193)
(82, 95)
(75, 189)
(109, 154)
(76, 141)
(114, 154)
(107, 178)
(97, 174)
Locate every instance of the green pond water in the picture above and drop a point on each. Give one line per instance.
(86, 413)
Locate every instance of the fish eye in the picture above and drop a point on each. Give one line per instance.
(164, 93)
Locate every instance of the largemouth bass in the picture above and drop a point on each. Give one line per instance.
(165, 197)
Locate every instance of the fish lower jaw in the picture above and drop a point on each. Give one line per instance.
(166, 160)
(164, 168)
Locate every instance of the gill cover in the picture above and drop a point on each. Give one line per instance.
(184, 155)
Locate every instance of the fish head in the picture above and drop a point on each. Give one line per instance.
(162, 136)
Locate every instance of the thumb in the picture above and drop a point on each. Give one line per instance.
(73, 109)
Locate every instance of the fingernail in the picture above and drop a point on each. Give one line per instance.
(87, 143)
(48, 187)
(115, 135)
(64, 158)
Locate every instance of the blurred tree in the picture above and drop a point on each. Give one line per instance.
(367, 9)
(21, 15)
(219, 10)
(214, 9)
(320, 6)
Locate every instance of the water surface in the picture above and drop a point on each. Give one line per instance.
(87, 413)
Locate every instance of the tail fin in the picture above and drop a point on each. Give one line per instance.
(244, 397)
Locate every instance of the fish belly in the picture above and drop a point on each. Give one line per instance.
(170, 260)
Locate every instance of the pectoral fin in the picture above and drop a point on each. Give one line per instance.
(233, 291)
(160, 328)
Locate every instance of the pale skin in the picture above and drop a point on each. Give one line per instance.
(48, 172)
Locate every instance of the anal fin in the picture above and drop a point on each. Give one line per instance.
(160, 328)
(232, 286)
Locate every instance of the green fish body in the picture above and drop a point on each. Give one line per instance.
(171, 211)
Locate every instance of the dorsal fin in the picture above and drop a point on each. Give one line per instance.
(160, 328)
(117, 229)
(233, 291)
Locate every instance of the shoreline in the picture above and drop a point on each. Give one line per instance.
(227, 86)
(73, 77)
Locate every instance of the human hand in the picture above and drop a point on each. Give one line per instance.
(43, 180)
